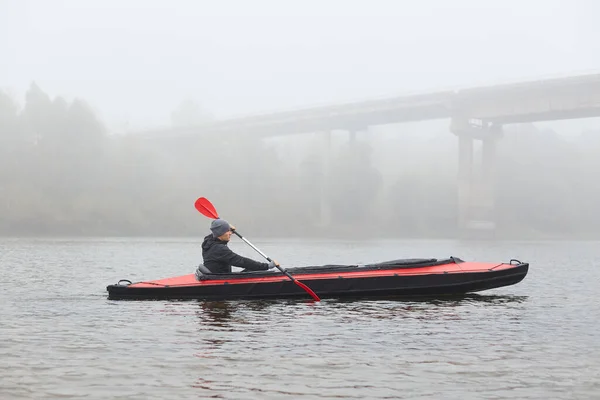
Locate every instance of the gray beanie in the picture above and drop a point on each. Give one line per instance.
(219, 227)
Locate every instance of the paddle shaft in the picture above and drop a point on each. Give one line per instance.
(251, 245)
(297, 282)
(264, 255)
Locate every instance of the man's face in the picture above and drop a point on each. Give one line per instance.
(226, 236)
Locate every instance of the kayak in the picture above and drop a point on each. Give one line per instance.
(405, 278)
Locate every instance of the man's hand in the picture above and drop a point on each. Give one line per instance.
(273, 263)
(232, 228)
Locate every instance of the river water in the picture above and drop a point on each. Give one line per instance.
(61, 338)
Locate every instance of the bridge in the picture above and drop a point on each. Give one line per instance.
(477, 113)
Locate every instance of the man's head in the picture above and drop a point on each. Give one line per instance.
(221, 229)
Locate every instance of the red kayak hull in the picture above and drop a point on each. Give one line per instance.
(427, 277)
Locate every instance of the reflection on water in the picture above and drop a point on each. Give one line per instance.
(215, 313)
(222, 313)
(450, 300)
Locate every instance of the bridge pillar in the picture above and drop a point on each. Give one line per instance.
(476, 178)
(353, 134)
(465, 169)
(352, 137)
(325, 195)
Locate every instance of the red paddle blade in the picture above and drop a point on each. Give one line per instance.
(308, 290)
(206, 208)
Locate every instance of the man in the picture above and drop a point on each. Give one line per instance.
(219, 258)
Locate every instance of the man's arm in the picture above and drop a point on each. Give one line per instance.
(225, 254)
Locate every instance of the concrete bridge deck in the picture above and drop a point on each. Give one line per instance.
(542, 100)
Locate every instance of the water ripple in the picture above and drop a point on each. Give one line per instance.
(61, 338)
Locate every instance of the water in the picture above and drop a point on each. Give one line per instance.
(61, 338)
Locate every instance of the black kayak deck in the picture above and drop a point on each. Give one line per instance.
(204, 274)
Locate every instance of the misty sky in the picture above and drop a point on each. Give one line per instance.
(134, 61)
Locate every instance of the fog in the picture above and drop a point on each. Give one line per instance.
(80, 82)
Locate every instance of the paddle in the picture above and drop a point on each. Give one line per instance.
(206, 208)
